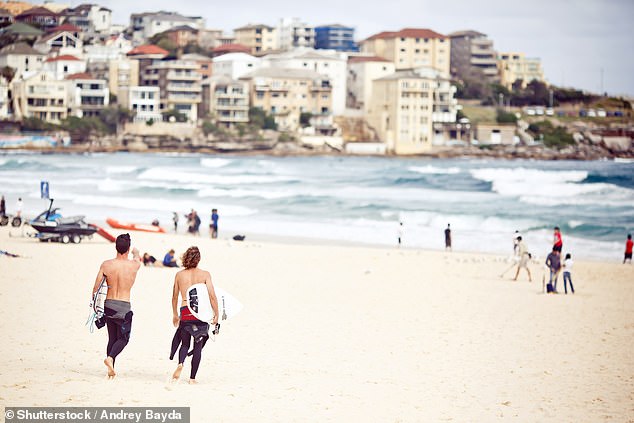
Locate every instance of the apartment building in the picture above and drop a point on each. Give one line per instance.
(331, 63)
(226, 100)
(179, 83)
(286, 93)
(292, 33)
(259, 38)
(411, 48)
(473, 51)
(21, 57)
(145, 102)
(401, 111)
(60, 43)
(182, 35)
(335, 37)
(62, 66)
(90, 18)
(517, 67)
(39, 17)
(146, 25)
(362, 71)
(209, 38)
(205, 63)
(113, 48)
(146, 55)
(41, 95)
(235, 65)
(89, 96)
(122, 75)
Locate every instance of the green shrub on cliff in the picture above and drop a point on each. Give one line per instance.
(551, 136)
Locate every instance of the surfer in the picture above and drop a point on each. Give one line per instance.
(189, 327)
(120, 274)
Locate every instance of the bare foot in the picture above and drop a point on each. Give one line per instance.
(109, 362)
(177, 372)
(192, 382)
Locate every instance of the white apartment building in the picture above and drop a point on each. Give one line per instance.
(62, 66)
(21, 57)
(235, 65)
(60, 43)
(89, 96)
(179, 83)
(114, 48)
(226, 100)
(292, 32)
(362, 71)
(330, 63)
(145, 102)
(90, 18)
(146, 25)
(41, 95)
(401, 111)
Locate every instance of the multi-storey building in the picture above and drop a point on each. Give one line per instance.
(113, 48)
(516, 67)
(123, 74)
(226, 100)
(91, 18)
(21, 57)
(146, 55)
(182, 35)
(401, 111)
(179, 83)
(259, 38)
(209, 38)
(89, 96)
(286, 93)
(146, 25)
(473, 51)
(205, 63)
(60, 43)
(145, 102)
(327, 62)
(411, 48)
(292, 32)
(62, 66)
(335, 37)
(235, 65)
(362, 71)
(41, 95)
(40, 17)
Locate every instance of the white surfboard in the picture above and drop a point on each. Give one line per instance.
(200, 306)
(99, 299)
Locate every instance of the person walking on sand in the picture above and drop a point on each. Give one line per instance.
(558, 243)
(628, 249)
(568, 273)
(516, 242)
(554, 265)
(188, 326)
(448, 238)
(120, 274)
(524, 256)
(213, 224)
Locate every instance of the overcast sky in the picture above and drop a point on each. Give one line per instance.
(575, 39)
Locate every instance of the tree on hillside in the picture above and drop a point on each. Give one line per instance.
(113, 117)
(8, 73)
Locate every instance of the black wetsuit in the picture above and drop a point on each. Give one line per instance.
(119, 323)
(188, 330)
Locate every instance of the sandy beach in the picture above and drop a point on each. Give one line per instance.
(327, 333)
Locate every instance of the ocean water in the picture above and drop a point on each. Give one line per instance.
(353, 199)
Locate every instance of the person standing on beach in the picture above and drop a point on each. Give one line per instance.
(188, 326)
(516, 242)
(448, 238)
(399, 233)
(557, 241)
(120, 274)
(175, 220)
(213, 224)
(524, 256)
(568, 273)
(18, 207)
(628, 249)
(3, 207)
(554, 265)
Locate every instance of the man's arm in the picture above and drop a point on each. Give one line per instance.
(212, 297)
(100, 276)
(175, 318)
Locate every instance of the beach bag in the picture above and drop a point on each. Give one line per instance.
(549, 288)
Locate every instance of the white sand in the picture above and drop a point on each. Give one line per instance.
(344, 334)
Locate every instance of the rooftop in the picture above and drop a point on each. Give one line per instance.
(20, 48)
(360, 59)
(147, 49)
(284, 73)
(63, 57)
(407, 33)
(81, 75)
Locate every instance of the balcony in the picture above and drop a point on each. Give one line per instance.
(183, 76)
(184, 88)
(183, 98)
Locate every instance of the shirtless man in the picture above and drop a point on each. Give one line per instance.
(120, 274)
(187, 324)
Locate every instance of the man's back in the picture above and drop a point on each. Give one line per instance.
(120, 276)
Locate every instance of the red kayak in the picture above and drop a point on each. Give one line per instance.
(134, 226)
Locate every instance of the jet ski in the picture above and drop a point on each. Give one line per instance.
(53, 227)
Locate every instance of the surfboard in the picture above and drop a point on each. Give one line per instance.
(200, 306)
(99, 298)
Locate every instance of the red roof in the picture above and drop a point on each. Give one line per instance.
(65, 27)
(147, 49)
(67, 57)
(37, 11)
(232, 48)
(408, 33)
(359, 59)
(81, 75)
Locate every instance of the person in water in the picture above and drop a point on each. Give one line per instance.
(188, 326)
(120, 274)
